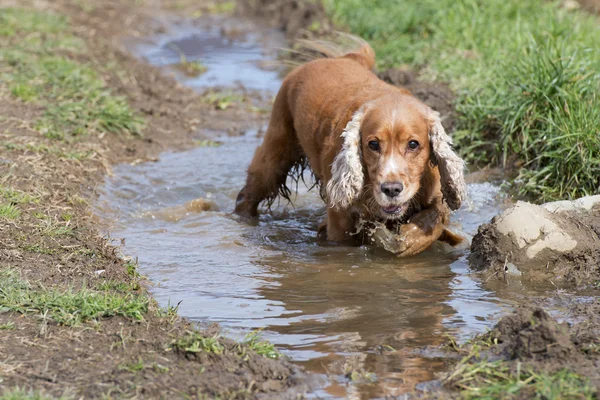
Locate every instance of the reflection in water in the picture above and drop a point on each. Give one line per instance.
(334, 309)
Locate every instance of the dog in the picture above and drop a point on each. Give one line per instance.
(378, 153)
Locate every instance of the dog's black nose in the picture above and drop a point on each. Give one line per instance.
(392, 189)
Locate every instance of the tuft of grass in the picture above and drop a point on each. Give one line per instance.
(59, 231)
(7, 327)
(264, 348)
(67, 307)
(37, 248)
(160, 368)
(35, 67)
(191, 68)
(110, 285)
(194, 342)
(15, 196)
(526, 74)
(133, 367)
(483, 341)
(22, 394)
(17, 20)
(169, 312)
(9, 211)
(222, 7)
(132, 269)
(41, 148)
(223, 100)
(496, 379)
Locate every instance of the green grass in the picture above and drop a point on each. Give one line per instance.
(22, 394)
(134, 366)
(478, 378)
(41, 148)
(264, 348)
(35, 67)
(496, 380)
(15, 196)
(223, 100)
(194, 342)
(67, 307)
(7, 327)
(59, 231)
(39, 249)
(9, 211)
(132, 269)
(191, 68)
(526, 74)
(110, 285)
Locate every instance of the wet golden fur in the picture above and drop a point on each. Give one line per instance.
(357, 134)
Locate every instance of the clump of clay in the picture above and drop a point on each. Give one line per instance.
(533, 334)
(381, 236)
(177, 213)
(554, 241)
(392, 240)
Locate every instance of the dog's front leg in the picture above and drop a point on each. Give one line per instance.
(423, 229)
(340, 224)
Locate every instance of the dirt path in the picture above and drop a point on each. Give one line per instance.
(75, 319)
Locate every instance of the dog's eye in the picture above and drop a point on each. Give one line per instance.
(413, 144)
(374, 145)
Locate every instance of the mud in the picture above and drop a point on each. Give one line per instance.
(557, 242)
(297, 18)
(531, 338)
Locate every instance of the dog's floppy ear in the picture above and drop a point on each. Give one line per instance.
(347, 176)
(450, 165)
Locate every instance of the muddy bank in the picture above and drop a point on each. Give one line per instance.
(529, 353)
(75, 317)
(297, 18)
(556, 241)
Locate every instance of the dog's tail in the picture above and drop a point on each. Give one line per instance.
(343, 45)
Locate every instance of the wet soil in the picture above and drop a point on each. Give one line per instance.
(297, 18)
(536, 244)
(530, 338)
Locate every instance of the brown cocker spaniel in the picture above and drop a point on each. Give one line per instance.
(378, 152)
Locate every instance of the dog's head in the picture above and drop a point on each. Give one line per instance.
(386, 149)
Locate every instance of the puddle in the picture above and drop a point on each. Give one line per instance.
(233, 51)
(332, 309)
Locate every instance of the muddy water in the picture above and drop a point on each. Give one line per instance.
(235, 52)
(334, 309)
